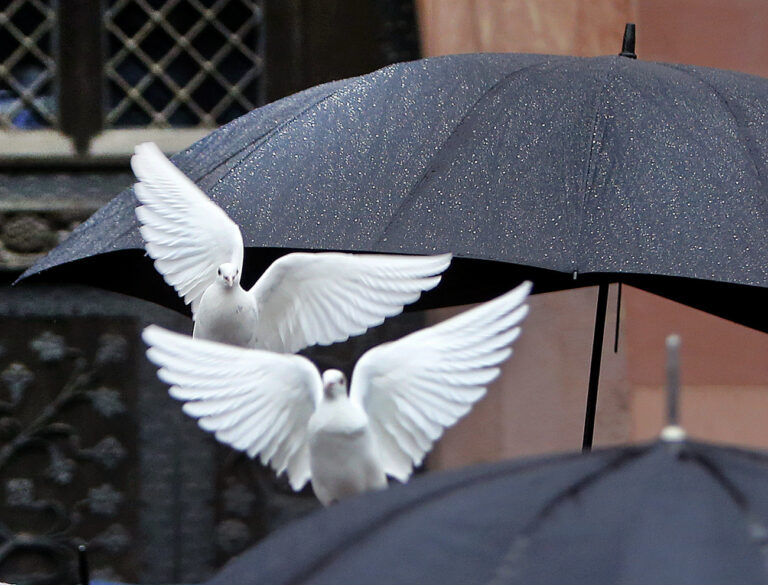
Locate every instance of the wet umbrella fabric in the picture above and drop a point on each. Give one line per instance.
(685, 513)
(609, 168)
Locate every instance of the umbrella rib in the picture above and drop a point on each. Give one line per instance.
(744, 140)
(357, 538)
(588, 184)
(411, 192)
(507, 570)
(258, 142)
(758, 532)
(745, 453)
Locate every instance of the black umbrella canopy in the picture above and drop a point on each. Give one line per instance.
(667, 512)
(673, 511)
(531, 166)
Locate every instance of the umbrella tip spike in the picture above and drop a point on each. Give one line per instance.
(673, 432)
(628, 44)
(82, 565)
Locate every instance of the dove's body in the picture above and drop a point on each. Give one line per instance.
(343, 458)
(226, 314)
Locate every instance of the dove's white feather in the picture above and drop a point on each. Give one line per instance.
(187, 235)
(415, 387)
(257, 401)
(303, 299)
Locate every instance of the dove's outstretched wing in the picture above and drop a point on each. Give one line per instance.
(415, 387)
(304, 299)
(186, 234)
(256, 401)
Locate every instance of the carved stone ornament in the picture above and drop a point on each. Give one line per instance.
(46, 458)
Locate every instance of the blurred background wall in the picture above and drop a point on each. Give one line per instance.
(92, 448)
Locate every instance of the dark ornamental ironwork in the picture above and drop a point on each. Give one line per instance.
(94, 451)
(48, 456)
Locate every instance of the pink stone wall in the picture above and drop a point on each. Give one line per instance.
(563, 27)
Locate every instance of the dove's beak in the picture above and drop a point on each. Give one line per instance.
(328, 389)
(229, 280)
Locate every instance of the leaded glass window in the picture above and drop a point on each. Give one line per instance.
(68, 89)
(27, 65)
(181, 62)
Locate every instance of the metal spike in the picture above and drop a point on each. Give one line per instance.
(628, 44)
(673, 432)
(82, 565)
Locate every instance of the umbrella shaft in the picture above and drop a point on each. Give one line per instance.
(594, 369)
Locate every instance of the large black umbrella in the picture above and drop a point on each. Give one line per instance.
(567, 171)
(673, 511)
(683, 513)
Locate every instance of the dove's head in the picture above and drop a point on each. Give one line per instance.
(334, 384)
(229, 274)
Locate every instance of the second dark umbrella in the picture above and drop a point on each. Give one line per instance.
(684, 513)
(673, 511)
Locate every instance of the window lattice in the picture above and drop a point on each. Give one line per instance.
(181, 62)
(27, 68)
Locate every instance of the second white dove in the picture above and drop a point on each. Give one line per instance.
(403, 395)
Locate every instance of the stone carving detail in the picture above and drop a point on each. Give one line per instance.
(26, 235)
(104, 500)
(108, 452)
(93, 450)
(39, 207)
(232, 536)
(48, 456)
(238, 499)
(252, 502)
(20, 493)
(106, 401)
(49, 347)
(17, 377)
(115, 539)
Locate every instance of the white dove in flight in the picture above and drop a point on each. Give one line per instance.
(302, 299)
(403, 395)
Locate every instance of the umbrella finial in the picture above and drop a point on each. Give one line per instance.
(628, 44)
(82, 565)
(673, 432)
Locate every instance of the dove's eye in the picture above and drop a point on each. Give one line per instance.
(219, 271)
